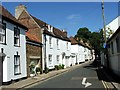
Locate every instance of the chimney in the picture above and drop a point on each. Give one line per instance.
(65, 32)
(19, 9)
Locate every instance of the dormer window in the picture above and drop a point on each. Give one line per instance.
(3, 33)
(16, 36)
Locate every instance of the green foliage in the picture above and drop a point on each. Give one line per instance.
(60, 66)
(84, 34)
(47, 70)
(95, 39)
(32, 66)
(38, 69)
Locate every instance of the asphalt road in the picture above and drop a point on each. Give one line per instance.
(74, 79)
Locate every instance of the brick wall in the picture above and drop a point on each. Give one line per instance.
(33, 51)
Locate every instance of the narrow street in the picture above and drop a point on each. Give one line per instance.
(74, 78)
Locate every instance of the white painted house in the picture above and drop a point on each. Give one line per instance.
(13, 44)
(57, 47)
(113, 25)
(77, 51)
(114, 52)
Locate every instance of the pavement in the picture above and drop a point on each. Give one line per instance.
(112, 81)
(42, 77)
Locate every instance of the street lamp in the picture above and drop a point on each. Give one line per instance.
(44, 41)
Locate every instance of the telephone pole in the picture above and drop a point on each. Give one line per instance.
(104, 24)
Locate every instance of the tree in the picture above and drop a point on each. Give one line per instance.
(83, 33)
(94, 38)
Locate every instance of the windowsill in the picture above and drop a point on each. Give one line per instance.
(51, 48)
(3, 43)
(58, 49)
(17, 73)
(16, 46)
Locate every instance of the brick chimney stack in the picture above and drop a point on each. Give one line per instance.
(19, 9)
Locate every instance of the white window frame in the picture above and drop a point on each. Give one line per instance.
(16, 36)
(58, 59)
(17, 65)
(67, 45)
(58, 45)
(3, 33)
(50, 59)
(50, 42)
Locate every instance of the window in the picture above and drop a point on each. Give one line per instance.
(50, 42)
(50, 59)
(16, 37)
(67, 45)
(58, 46)
(58, 59)
(118, 44)
(3, 33)
(112, 48)
(17, 64)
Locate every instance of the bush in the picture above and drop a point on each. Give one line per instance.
(47, 70)
(62, 66)
(38, 69)
(56, 67)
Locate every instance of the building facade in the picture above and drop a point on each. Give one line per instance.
(57, 49)
(114, 52)
(13, 45)
(78, 50)
(34, 40)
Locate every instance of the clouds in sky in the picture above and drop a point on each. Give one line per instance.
(73, 16)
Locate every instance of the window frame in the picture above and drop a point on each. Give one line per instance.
(58, 59)
(17, 37)
(50, 42)
(50, 59)
(19, 65)
(4, 35)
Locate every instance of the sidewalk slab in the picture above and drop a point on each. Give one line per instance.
(41, 77)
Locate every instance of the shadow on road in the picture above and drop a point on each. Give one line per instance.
(102, 72)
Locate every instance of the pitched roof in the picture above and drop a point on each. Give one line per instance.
(32, 37)
(75, 41)
(8, 16)
(56, 32)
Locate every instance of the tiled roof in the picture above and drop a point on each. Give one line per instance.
(75, 41)
(32, 37)
(8, 16)
(56, 32)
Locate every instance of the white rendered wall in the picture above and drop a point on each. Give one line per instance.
(10, 50)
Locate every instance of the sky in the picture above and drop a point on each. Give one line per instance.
(69, 15)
